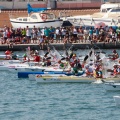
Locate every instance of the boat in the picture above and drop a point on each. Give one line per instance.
(63, 79)
(117, 100)
(109, 15)
(38, 18)
(112, 86)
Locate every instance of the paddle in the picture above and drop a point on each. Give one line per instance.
(90, 53)
(48, 58)
(71, 55)
(46, 54)
(60, 59)
(103, 81)
(63, 58)
(86, 57)
(101, 52)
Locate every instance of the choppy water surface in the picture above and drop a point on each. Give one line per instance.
(21, 99)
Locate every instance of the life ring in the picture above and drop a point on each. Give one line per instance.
(44, 17)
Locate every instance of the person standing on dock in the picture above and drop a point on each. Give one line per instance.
(28, 34)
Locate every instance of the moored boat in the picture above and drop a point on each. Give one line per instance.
(38, 19)
(109, 15)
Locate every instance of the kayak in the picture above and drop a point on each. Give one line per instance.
(26, 74)
(63, 78)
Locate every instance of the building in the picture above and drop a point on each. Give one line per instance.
(54, 4)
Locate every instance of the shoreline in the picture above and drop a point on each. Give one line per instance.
(60, 46)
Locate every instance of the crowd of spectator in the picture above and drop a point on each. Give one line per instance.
(45, 36)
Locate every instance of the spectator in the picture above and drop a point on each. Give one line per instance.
(28, 34)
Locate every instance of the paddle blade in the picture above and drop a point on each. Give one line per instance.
(90, 53)
(71, 55)
(46, 54)
(63, 58)
(48, 58)
(86, 57)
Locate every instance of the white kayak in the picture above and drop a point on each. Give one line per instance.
(33, 76)
(112, 86)
(63, 78)
(117, 100)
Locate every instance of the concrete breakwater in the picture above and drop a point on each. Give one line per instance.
(61, 46)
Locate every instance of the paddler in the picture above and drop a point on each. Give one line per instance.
(25, 57)
(115, 70)
(114, 56)
(89, 70)
(36, 57)
(14, 56)
(73, 69)
(8, 54)
(98, 71)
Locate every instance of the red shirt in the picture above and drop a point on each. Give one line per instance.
(7, 52)
(37, 59)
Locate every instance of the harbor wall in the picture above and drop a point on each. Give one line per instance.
(61, 46)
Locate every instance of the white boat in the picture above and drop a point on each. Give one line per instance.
(63, 78)
(40, 20)
(112, 86)
(117, 100)
(109, 15)
(37, 18)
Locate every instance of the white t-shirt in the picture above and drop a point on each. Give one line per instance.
(4, 34)
(42, 32)
(74, 31)
(57, 31)
(28, 32)
(41, 39)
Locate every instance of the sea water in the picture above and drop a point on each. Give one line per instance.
(21, 99)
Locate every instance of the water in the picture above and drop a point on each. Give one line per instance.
(21, 99)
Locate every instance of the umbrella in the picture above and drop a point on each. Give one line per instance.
(98, 25)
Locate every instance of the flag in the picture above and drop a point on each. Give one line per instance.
(30, 9)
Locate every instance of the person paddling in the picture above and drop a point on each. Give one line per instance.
(114, 56)
(8, 54)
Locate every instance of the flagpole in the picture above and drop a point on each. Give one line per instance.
(12, 4)
(27, 8)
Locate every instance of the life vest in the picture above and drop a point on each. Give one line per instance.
(87, 72)
(8, 53)
(37, 59)
(99, 74)
(115, 71)
(25, 58)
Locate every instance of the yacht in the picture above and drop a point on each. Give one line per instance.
(109, 15)
(36, 17)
